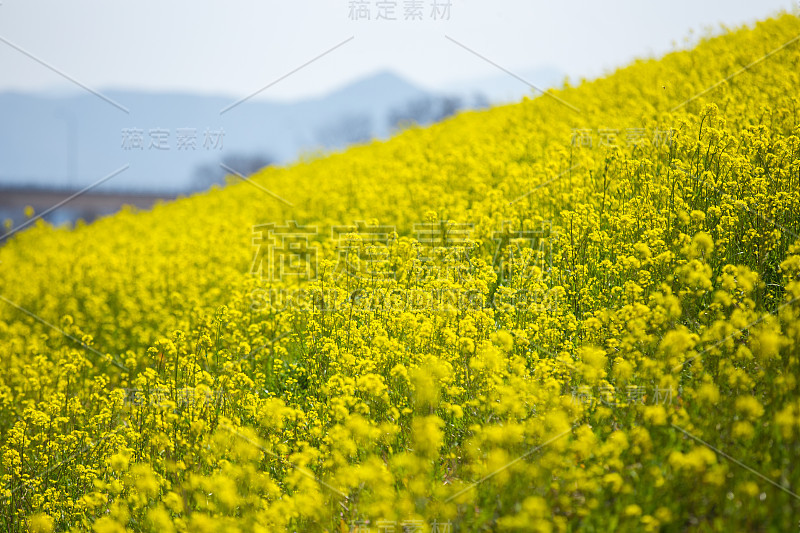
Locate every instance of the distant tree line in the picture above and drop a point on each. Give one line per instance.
(209, 174)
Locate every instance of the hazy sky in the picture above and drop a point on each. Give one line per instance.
(238, 47)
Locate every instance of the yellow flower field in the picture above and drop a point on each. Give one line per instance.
(579, 312)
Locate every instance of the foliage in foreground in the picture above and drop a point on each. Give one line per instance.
(608, 344)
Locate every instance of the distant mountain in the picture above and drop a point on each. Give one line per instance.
(373, 93)
(72, 141)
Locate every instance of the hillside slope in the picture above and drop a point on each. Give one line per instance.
(554, 315)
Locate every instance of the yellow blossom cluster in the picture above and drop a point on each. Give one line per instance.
(490, 327)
